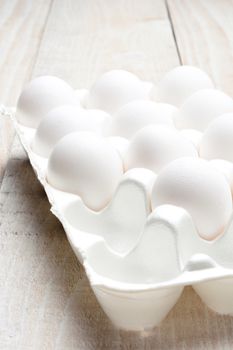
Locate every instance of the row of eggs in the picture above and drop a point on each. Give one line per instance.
(92, 138)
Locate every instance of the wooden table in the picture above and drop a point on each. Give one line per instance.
(45, 298)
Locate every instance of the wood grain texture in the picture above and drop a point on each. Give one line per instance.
(102, 35)
(203, 31)
(45, 299)
(21, 27)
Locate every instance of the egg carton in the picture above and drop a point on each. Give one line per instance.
(138, 261)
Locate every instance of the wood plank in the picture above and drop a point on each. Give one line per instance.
(203, 32)
(21, 27)
(103, 35)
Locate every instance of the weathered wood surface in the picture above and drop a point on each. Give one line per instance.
(21, 27)
(203, 31)
(45, 298)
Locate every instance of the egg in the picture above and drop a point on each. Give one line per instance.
(116, 88)
(195, 186)
(40, 96)
(217, 141)
(154, 146)
(85, 164)
(64, 120)
(180, 83)
(225, 168)
(202, 108)
(136, 114)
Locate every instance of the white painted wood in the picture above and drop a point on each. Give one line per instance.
(82, 39)
(203, 31)
(21, 27)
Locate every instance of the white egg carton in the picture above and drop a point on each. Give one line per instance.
(138, 261)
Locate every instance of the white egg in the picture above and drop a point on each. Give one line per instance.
(154, 146)
(192, 135)
(195, 186)
(85, 164)
(116, 88)
(64, 120)
(225, 168)
(40, 96)
(180, 83)
(217, 141)
(202, 108)
(135, 115)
